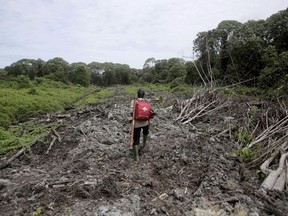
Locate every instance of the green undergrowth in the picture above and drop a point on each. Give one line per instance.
(148, 87)
(97, 96)
(242, 92)
(22, 135)
(21, 99)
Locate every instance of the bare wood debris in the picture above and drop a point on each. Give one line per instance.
(203, 103)
(271, 132)
(6, 163)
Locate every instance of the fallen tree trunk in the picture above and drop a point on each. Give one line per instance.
(274, 177)
(6, 163)
(264, 167)
(281, 181)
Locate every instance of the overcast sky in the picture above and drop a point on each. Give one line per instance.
(118, 31)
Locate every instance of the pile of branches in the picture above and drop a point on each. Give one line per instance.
(204, 102)
(271, 141)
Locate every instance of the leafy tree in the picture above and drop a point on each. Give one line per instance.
(134, 75)
(246, 49)
(275, 73)
(277, 26)
(191, 76)
(3, 73)
(176, 69)
(56, 69)
(149, 63)
(108, 77)
(221, 36)
(96, 73)
(161, 70)
(80, 74)
(122, 75)
(27, 67)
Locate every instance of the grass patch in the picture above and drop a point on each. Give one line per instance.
(147, 87)
(96, 97)
(130, 90)
(18, 101)
(22, 135)
(21, 98)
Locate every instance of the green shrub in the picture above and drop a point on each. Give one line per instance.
(23, 82)
(243, 136)
(246, 155)
(4, 134)
(5, 120)
(32, 91)
(179, 81)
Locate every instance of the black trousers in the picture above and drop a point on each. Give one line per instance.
(137, 134)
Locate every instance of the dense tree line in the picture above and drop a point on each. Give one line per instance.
(254, 53)
(102, 74)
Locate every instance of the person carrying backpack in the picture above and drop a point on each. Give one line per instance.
(142, 112)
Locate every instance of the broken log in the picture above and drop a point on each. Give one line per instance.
(274, 175)
(266, 164)
(6, 163)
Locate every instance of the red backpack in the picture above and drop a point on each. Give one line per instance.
(142, 110)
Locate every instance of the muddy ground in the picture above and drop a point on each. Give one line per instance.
(183, 171)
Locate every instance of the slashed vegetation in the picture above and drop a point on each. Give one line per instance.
(198, 150)
(261, 131)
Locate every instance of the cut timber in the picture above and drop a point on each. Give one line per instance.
(274, 175)
(6, 163)
(266, 164)
(280, 183)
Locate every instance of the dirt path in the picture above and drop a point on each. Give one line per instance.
(183, 171)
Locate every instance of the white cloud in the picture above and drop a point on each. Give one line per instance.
(120, 31)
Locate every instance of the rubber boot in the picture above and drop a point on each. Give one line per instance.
(136, 152)
(143, 143)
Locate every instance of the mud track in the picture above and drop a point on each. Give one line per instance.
(183, 170)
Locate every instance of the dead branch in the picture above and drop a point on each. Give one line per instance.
(275, 147)
(51, 144)
(270, 131)
(203, 103)
(18, 154)
(56, 134)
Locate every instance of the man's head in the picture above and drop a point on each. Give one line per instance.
(141, 93)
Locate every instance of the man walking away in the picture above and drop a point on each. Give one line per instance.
(142, 112)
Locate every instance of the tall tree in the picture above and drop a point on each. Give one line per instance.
(57, 69)
(176, 69)
(246, 47)
(277, 26)
(275, 73)
(80, 73)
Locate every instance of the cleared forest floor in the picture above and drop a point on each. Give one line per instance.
(90, 169)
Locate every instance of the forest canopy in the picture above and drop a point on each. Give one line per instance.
(254, 53)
